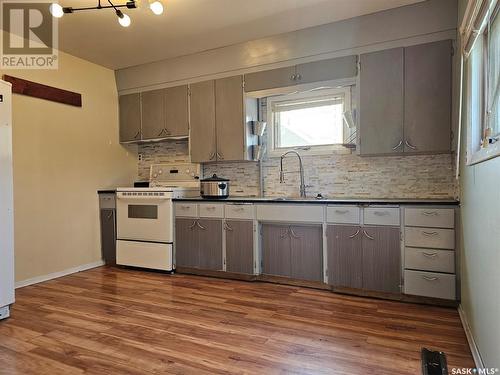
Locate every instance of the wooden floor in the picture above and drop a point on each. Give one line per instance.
(116, 321)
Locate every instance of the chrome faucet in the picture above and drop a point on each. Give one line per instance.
(301, 171)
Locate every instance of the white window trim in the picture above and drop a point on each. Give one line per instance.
(304, 150)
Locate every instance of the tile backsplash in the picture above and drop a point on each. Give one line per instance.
(334, 175)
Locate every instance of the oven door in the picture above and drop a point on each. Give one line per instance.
(144, 218)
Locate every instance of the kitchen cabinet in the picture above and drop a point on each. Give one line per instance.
(316, 71)
(198, 243)
(220, 121)
(345, 256)
(381, 102)
(427, 101)
(292, 251)
(382, 259)
(130, 118)
(153, 114)
(202, 141)
(405, 100)
(177, 111)
(239, 246)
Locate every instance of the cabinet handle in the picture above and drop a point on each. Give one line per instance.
(355, 234)
(341, 211)
(110, 215)
(428, 234)
(367, 235)
(429, 255)
(227, 227)
(298, 76)
(212, 155)
(220, 156)
(294, 235)
(211, 208)
(398, 145)
(430, 278)
(293, 77)
(430, 213)
(410, 145)
(284, 234)
(185, 207)
(160, 133)
(137, 135)
(193, 225)
(199, 225)
(381, 213)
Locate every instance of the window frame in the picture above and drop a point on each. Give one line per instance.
(273, 151)
(476, 153)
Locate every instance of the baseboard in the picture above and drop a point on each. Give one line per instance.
(476, 355)
(55, 275)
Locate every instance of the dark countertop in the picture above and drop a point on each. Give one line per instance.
(106, 191)
(366, 201)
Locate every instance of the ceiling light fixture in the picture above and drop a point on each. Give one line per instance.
(156, 7)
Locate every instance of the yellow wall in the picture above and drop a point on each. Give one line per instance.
(62, 155)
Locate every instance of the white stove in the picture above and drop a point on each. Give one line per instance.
(145, 218)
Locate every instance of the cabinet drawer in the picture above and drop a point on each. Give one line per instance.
(430, 260)
(430, 237)
(430, 217)
(186, 209)
(430, 284)
(211, 210)
(342, 214)
(382, 216)
(239, 211)
(290, 213)
(107, 201)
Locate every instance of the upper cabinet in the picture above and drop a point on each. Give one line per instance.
(154, 115)
(405, 100)
(130, 118)
(317, 71)
(220, 121)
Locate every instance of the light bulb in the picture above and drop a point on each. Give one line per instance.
(156, 7)
(56, 10)
(124, 20)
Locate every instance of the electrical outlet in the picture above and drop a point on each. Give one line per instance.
(140, 156)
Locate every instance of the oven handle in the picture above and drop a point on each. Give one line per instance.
(149, 198)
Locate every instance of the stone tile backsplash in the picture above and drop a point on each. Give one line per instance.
(334, 175)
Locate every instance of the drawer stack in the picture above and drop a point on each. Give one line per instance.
(429, 242)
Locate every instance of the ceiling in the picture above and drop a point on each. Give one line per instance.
(189, 26)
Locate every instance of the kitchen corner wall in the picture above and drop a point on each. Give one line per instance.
(341, 174)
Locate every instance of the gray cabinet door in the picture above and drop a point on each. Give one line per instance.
(108, 236)
(306, 252)
(153, 114)
(276, 253)
(187, 244)
(230, 118)
(202, 141)
(270, 79)
(239, 246)
(345, 256)
(130, 117)
(427, 100)
(177, 111)
(325, 70)
(210, 242)
(381, 102)
(382, 259)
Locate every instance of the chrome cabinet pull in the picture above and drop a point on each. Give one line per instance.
(210, 208)
(430, 278)
(110, 215)
(430, 213)
(193, 225)
(137, 135)
(410, 145)
(185, 207)
(219, 155)
(212, 155)
(298, 76)
(355, 234)
(429, 255)
(227, 227)
(294, 235)
(398, 145)
(199, 225)
(429, 234)
(284, 234)
(341, 211)
(381, 213)
(293, 77)
(367, 235)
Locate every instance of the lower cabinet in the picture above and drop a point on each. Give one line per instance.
(293, 251)
(364, 257)
(198, 243)
(239, 246)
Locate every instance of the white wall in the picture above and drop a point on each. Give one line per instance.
(480, 199)
(62, 155)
